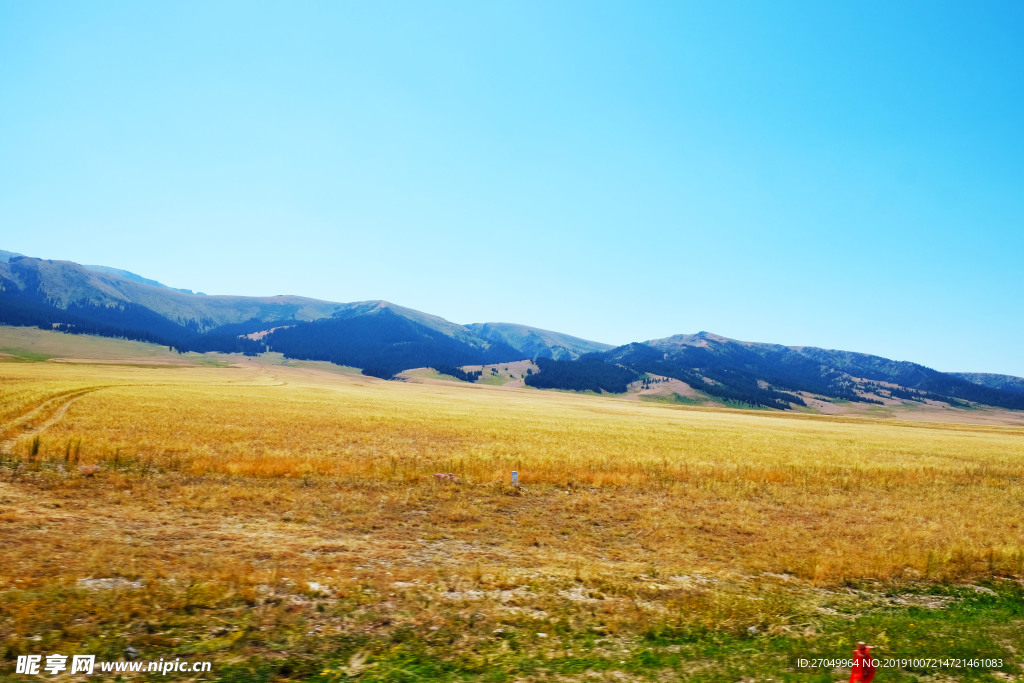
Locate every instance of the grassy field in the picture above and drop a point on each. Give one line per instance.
(284, 521)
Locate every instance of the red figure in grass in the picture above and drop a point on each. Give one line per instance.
(863, 666)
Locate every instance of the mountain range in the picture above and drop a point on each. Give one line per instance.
(384, 339)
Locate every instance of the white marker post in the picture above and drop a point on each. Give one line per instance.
(515, 478)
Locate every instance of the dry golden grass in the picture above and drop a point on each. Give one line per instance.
(765, 492)
(225, 491)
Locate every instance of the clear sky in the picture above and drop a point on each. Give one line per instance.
(838, 174)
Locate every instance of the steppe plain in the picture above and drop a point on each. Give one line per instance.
(284, 520)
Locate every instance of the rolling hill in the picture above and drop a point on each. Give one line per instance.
(776, 376)
(993, 381)
(128, 275)
(65, 285)
(384, 339)
(537, 343)
(378, 336)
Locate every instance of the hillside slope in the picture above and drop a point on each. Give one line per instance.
(538, 343)
(128, 275)
(379, 336)
(779, 376)
(383, 339)
(64, 284)
(993, 381)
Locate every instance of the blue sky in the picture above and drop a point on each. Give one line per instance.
(847, 175)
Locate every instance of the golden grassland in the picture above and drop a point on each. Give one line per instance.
(277, 513)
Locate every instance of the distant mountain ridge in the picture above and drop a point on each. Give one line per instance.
(538, 343)
(383, 339)
(64, 284)
(128, 275)
(994, 381)
(378, 336)
(776, 376)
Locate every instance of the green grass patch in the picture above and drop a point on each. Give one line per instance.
(10, 355)
(494, 380)
(742, 405)
(209, 361)
(977, 627)
(674, 399)
(971, 626)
